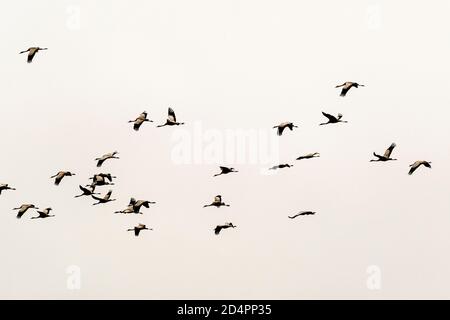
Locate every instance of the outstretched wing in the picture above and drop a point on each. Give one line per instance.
(137, 124)
(217, 229)
(172, 116)
(280, 130)
(108, 195)
(31, 54)
(100, 162)
(59, 178)
(329, 116)
(97, 198)
(388, 152)
(414, 166)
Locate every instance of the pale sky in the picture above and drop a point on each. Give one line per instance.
(226, 65)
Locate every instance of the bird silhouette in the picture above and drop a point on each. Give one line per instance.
(223, 226)
(309, 156)
(386, 156)
(280, 128)
(225, 170)
(105, 157)
(332, 119)
(217, 203)
(44, 214)
(24, 208)
(171, 120)
(347, 86)
(60, 175)
(5, 186)
(106, 198)
(31, 52)
(417, 164)
(302, 213)
(140, 120)
(139, 228)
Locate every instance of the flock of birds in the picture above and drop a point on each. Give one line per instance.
(135, 206)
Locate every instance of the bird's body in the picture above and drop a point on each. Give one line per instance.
(281, 166)
(225, 170)
(31, 53)
(106, 198)
(386, 156)
(60, 175)
(332, 119)
(105, 157)
(140, 120)
(223, 226)
(347, 86)
(138, 229)
(5, 186)
(87, 191)
(309, 156)
(171, 119)
(44, 214)
(24, 208)
(217, 203)
(417, 164)
(280, 128)
(302, 213)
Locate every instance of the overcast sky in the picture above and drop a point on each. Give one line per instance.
(227, 68)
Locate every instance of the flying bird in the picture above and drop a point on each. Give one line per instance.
(23, 208)
(309, 156)
(44, 214)
(225, 170)
(280, 128)
(138, 229)
(137, 204)
(100, 179)
(105, 157)
(281, 166)
(386, 156)
(217, 203)
(5, 186)
(31, 52)
(347, 86)
(106, 198)
(332, 119)
(140, 120)
(127, 210)
(171, 120)
(302, 213)
(223, 226)
(87, 191)
(417, 164)
(60, 175)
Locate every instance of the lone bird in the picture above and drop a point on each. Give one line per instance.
(302, 213)
(44, 214)
(217, 203)
(140, 120)
(347, 86)
(5, 186)
(386, 156)
(106, 198)
(225, 170)
(105, 157)
(309, 156)
(100, 179)
(87, 191)
(138, 229)
(332, 119)
(23, 208)
(171, 120)
(31, 52)
(137, 204)
(223, 226)
(417, 164)
(60, 175)
(281, 166)
(283, 126)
